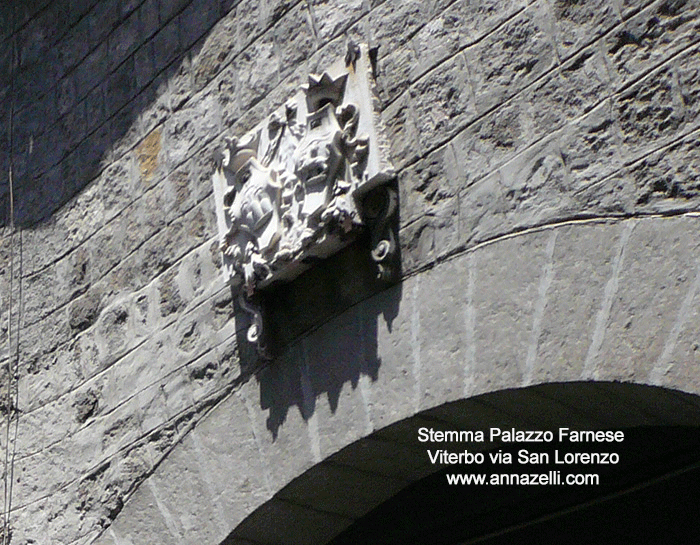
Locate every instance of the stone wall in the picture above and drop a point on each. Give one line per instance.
(502, 117)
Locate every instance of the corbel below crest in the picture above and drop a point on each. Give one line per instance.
(304, 183)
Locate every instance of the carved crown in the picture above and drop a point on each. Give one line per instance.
(322, 90)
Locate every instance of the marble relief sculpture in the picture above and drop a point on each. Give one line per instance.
(304, 182)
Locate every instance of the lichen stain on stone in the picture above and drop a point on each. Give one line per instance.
(147, 154)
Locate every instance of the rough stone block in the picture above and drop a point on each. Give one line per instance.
(103, 18)
(166, 44)
(590, 147)
(426, 184)
(391, 23)
(441, 103)
(430, 237)
(216, 52)
(536, 186)
(257, 71)
(294, 38)
(584, 83)
(667, 179)
(170, 8)
(394, 69)
(482, 207)
(580, 23)
(650, 37)
(42, 295)
(688, 68)
(332, 19)
(196, 20)
(438, 40)
(510, 58)
(401, 129)
(92, 70)
(650, 113)
(492, 140)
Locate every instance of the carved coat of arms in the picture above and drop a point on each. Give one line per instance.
(294, 189)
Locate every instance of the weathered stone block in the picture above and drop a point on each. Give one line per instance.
(331, 19)
(688, 69)
(166, 44)
(570, 310)
(578, 23)
(590, 146)
(91, 70)
(196, 20)
(401, 128)
(536, 186)
(506, 280)
(170, 8)
(651, 286)
(510, 58)
(427, 183)
(431, 236)
(294, 39)
(651, 112)
(482, 208)
(584, 82)
(649, 37)
(216, 53)
(441, 103)
(667, 179)
(257, 70)
(391, 23)
(125, 38)
(394, 71)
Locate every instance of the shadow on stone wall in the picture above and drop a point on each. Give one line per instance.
(84, 72)
(320, 336)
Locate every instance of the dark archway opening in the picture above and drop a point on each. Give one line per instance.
(384, 490)
(651, 496)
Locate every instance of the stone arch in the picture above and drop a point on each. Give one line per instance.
(330, 502)
(578, 306)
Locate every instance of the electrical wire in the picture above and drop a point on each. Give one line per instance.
(12, 397)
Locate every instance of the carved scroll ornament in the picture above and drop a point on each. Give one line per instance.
(303, 183)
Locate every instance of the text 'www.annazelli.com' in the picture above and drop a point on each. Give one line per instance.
(550, 478)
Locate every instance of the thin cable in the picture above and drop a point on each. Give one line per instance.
(8, 398)
(15, 382)
(10, 374)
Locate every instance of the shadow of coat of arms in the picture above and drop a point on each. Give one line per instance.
(302, 184)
